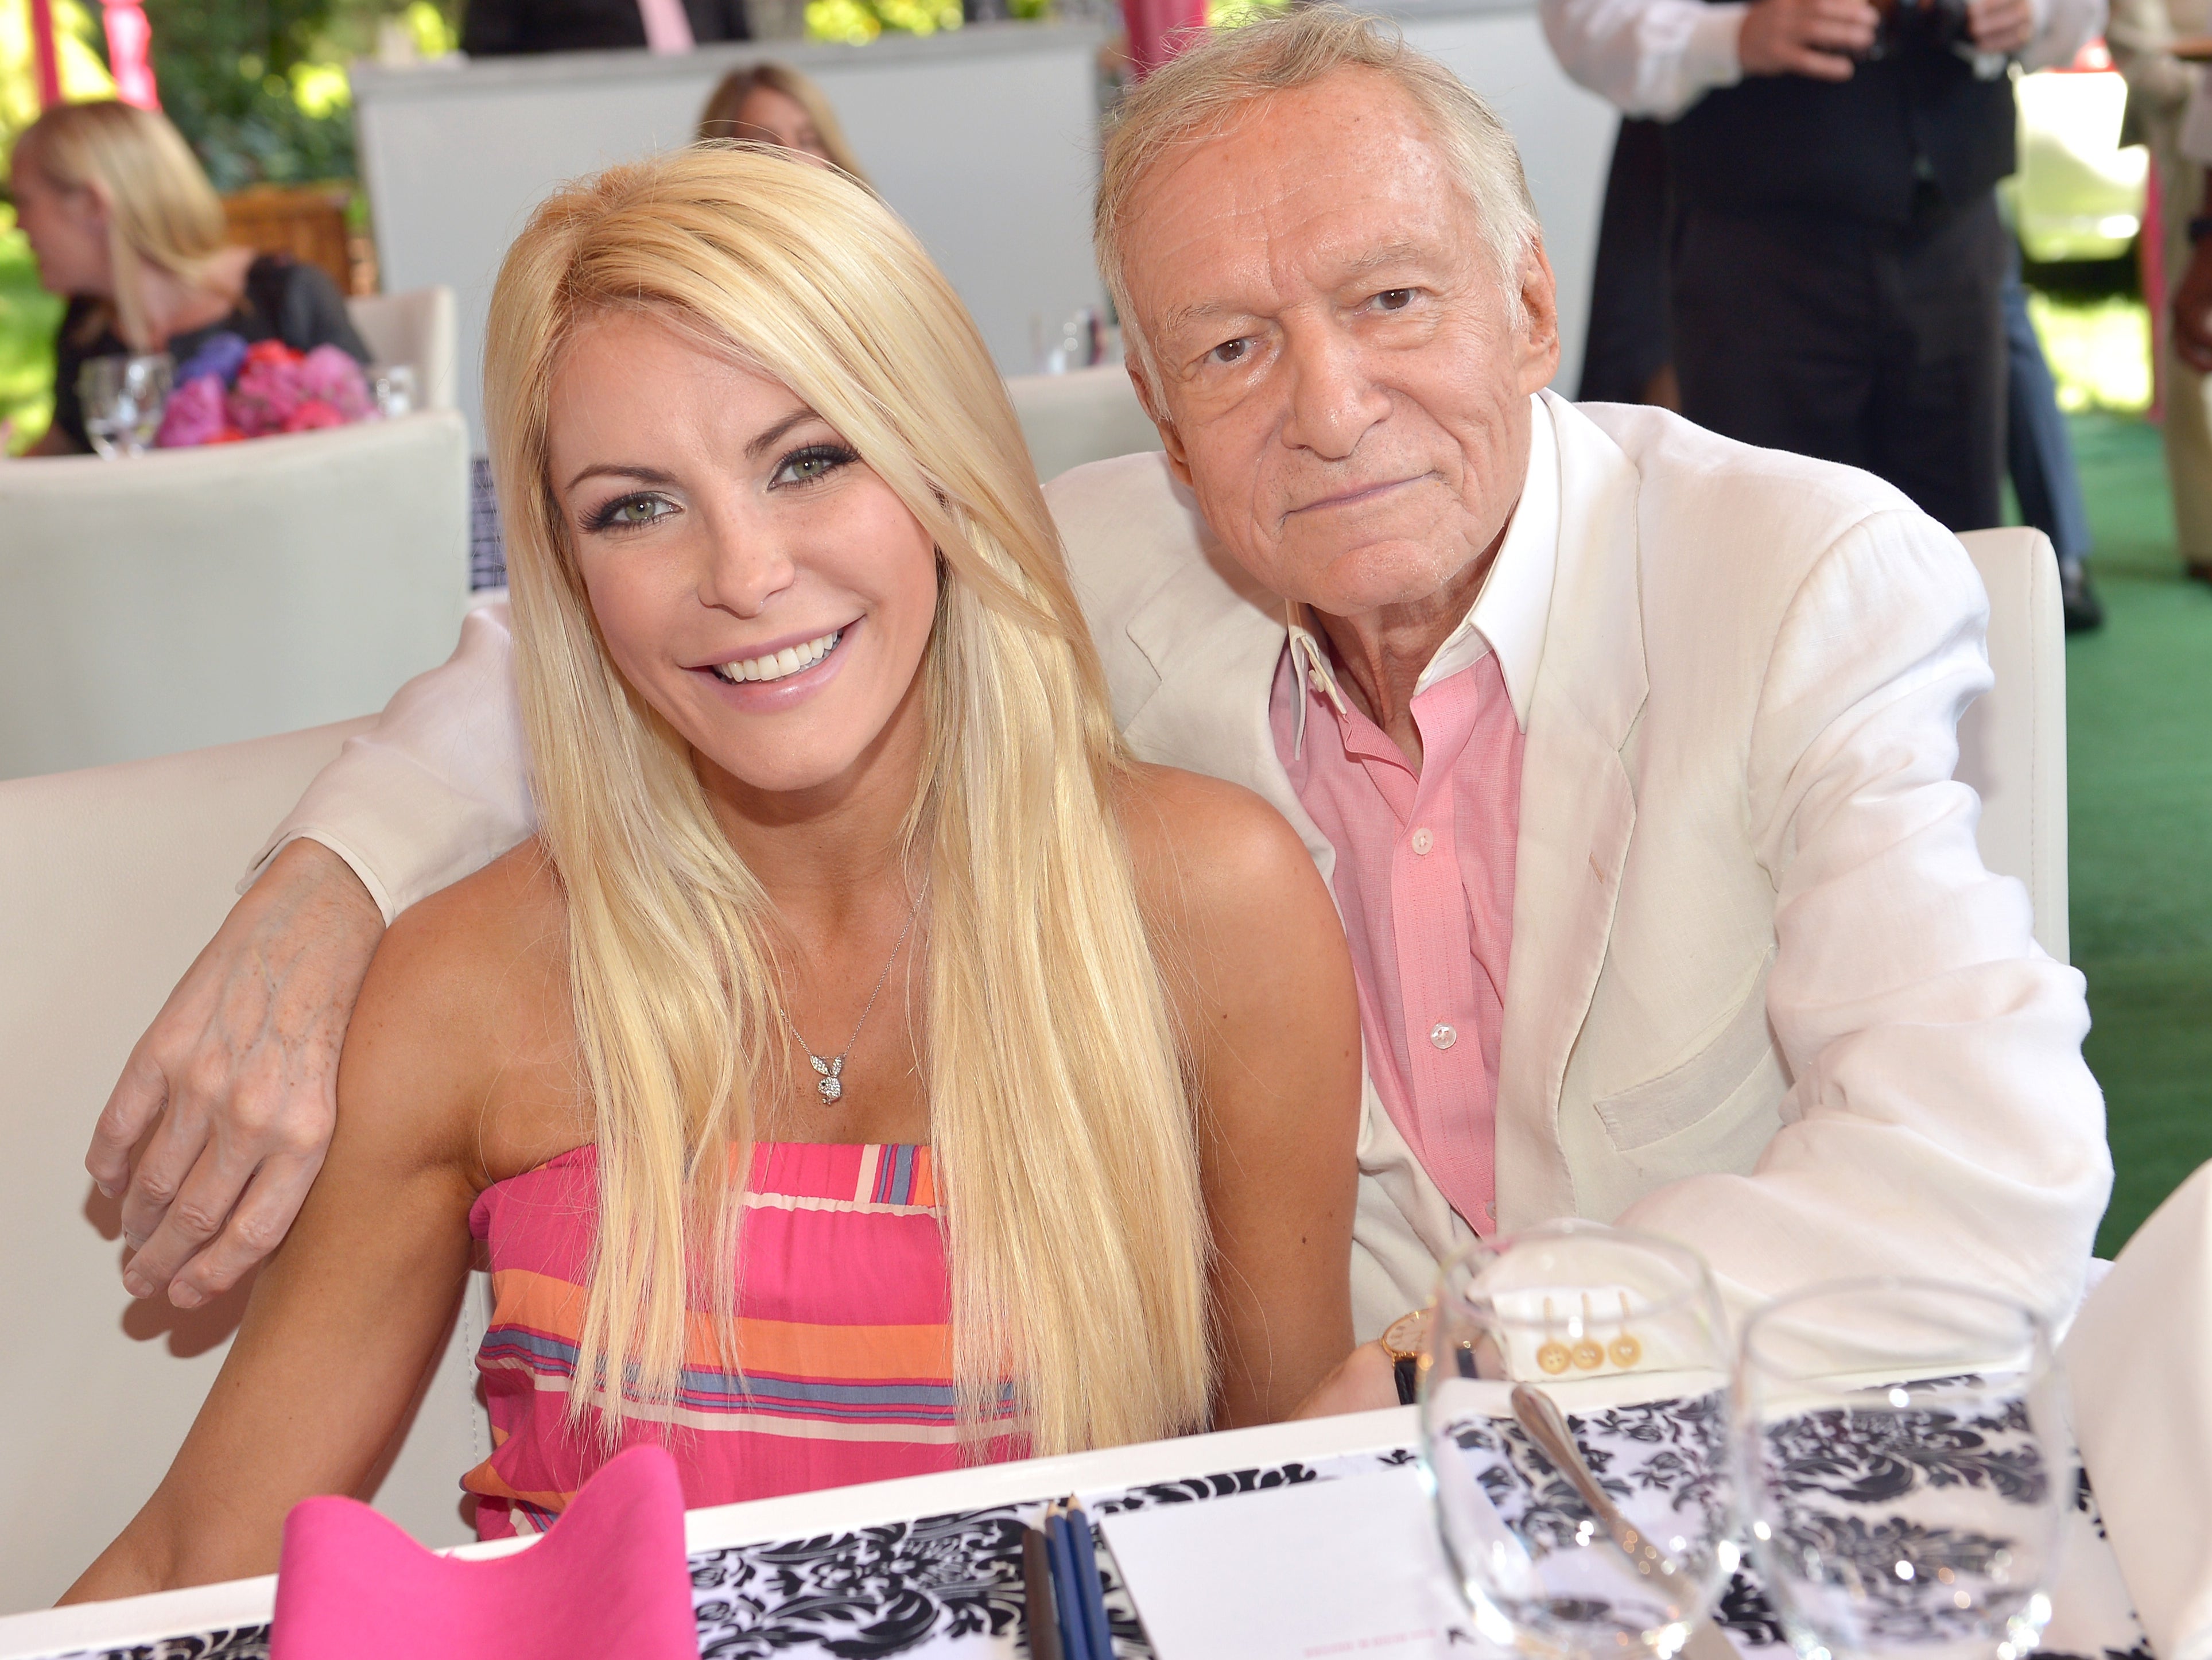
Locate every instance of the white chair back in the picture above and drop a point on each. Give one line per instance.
(111, 881)
(198, 597)
(2012, 741)
(1086, 415)
(417, 327)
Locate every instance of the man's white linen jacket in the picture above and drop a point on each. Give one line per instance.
(1763, 996)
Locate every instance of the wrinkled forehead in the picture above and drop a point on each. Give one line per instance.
(1312, 184)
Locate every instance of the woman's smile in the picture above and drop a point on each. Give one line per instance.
(780, 674)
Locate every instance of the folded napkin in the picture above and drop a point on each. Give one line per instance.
(610, 1578)
(2138, 1364)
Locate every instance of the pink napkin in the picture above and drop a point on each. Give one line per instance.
(610, 1578)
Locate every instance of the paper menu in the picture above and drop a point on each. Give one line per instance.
(1313, 1571)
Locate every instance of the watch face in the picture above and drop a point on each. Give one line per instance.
(1407, 1336)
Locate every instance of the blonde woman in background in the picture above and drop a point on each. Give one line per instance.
(774, 104)
(990, 1092)
(123, 223)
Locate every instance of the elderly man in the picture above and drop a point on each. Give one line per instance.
(1627, 749)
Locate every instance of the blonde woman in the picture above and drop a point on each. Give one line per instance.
(869, 1066)
(124, 224)
(774, 104)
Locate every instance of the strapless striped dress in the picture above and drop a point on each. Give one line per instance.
(843, 1336)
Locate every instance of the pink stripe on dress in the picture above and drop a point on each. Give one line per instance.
(843, 1334)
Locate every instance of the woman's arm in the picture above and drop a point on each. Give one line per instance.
(351, 1311)
(1257, 962)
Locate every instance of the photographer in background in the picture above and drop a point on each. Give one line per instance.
(1838, 272)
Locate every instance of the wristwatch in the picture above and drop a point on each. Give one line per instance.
(1405, 1342)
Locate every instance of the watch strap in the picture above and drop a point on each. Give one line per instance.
(1406, 1369)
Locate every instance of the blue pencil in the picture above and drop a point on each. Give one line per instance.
(1074, 1642)
(1092, 1590)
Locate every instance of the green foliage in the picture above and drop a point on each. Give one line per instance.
(259, 87)
(28, 317)
(856, 23)
(227, 71)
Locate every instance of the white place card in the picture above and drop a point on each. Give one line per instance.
(1315, 1572)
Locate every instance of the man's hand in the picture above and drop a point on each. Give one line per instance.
(2001, 25)
(233, 1089)
(2192, 310)
(1814, 38)
(1363, 1381)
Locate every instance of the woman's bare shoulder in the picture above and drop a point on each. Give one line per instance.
(1205, 850)
(464, 1023)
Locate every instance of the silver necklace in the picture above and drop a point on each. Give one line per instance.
(831, 1083)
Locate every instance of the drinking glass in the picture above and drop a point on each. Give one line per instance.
(1622, 1333)
(1907, 1468)
(393, 387)
(122, 397)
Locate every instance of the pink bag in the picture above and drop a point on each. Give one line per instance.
(609, 1578)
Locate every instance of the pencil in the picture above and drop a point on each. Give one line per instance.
(1038, 1593)
(1066, 1588)
(1092, 1598)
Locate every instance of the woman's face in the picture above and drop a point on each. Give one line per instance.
(769, 117)
(67, 230)
(755, 581)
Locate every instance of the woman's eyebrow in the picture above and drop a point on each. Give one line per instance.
(801, 414)
(642, 474)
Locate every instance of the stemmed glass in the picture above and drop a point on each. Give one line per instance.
(1575, 1420)
(1907, 1468)
(122, 397)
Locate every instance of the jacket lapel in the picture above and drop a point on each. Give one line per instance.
(1577, 811)
(1215, 637)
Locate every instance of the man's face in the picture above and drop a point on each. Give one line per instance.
(1340, 376)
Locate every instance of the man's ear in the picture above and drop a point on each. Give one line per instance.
(1539, 331)
(1149, 399)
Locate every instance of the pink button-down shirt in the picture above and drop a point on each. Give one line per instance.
(1425, 858)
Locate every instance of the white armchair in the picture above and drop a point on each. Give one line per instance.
(196, 597)
(417, 327)
(1086, 415)
(111, 881)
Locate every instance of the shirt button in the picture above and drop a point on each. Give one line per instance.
(1423, 841)
(1442, 1035)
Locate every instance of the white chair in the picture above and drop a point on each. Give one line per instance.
(111, 881)
(1086, 415)
(2012, 741)
(198, 597)
(417, 327)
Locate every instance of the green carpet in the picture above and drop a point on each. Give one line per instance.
(2139, 757)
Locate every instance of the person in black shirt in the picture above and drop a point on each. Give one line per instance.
(122, 219)
(493, 29)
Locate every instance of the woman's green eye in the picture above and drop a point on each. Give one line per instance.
(813, 464)
(629, 512)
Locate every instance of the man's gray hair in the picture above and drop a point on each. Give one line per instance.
(1199, 95)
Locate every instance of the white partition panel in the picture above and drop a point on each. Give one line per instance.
(984, 140)
(1564, 134)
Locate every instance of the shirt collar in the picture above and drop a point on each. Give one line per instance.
(1510, 613)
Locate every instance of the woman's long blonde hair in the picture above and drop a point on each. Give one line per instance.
(162, 211)
(1059, 1113)
(719, 120)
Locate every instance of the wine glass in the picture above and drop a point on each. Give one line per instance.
(1907, 1468)
(391, 387)
(1575, 1438)
(122, 397)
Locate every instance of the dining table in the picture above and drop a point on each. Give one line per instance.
(930, 1567)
